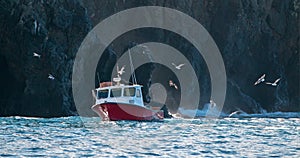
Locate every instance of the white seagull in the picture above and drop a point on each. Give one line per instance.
(234, 113)
(120, 72)
(273, 84)
(146, 51)
(51, 77)
(178, 66)
(37, 55)
(35, 26)
(261, 79)
(172, 84)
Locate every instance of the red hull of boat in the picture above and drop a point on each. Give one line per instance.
(120, 111)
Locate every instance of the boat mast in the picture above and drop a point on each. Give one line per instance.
(132, 69)
(98, 78)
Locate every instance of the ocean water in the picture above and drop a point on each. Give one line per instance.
(90, 137)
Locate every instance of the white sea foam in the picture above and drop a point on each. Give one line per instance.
(269, 115)
(209, 111)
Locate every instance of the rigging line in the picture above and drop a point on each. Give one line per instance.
(98, 78)
(132, 68)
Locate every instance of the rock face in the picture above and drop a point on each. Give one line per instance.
(53, 29)
(254, 37)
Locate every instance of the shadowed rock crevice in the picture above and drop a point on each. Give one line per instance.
(11, 89)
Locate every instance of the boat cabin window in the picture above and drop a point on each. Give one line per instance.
(129, 92)
(138, 93)
(117, 92)
(102, 94)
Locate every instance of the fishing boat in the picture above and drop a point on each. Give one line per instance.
(123, 102)
(116, 101)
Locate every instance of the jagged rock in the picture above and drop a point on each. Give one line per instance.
(44, 28)
(254, 37)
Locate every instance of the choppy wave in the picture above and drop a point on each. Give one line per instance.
(90, 137)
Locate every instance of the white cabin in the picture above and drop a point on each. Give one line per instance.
(127, 94)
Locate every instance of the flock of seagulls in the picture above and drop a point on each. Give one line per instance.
(36, 55)
(122, 71)
(178, 67)
(259, 80)
(171, 83)
(262, 79)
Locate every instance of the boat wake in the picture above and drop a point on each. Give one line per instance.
(267, 115)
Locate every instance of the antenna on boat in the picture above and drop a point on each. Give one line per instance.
(132, 68)
(98, 78)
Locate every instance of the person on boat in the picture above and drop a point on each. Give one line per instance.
(212, 103)
(105, 84)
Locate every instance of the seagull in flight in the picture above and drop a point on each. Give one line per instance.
(178, 66)
(37, 55)
(234, 113)
(51, 77)
(147, 51)
(35, 26)
(120, 72)
(273, 84)
(261, 79)
(172, 84)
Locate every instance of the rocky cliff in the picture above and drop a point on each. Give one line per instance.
(254, 37)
